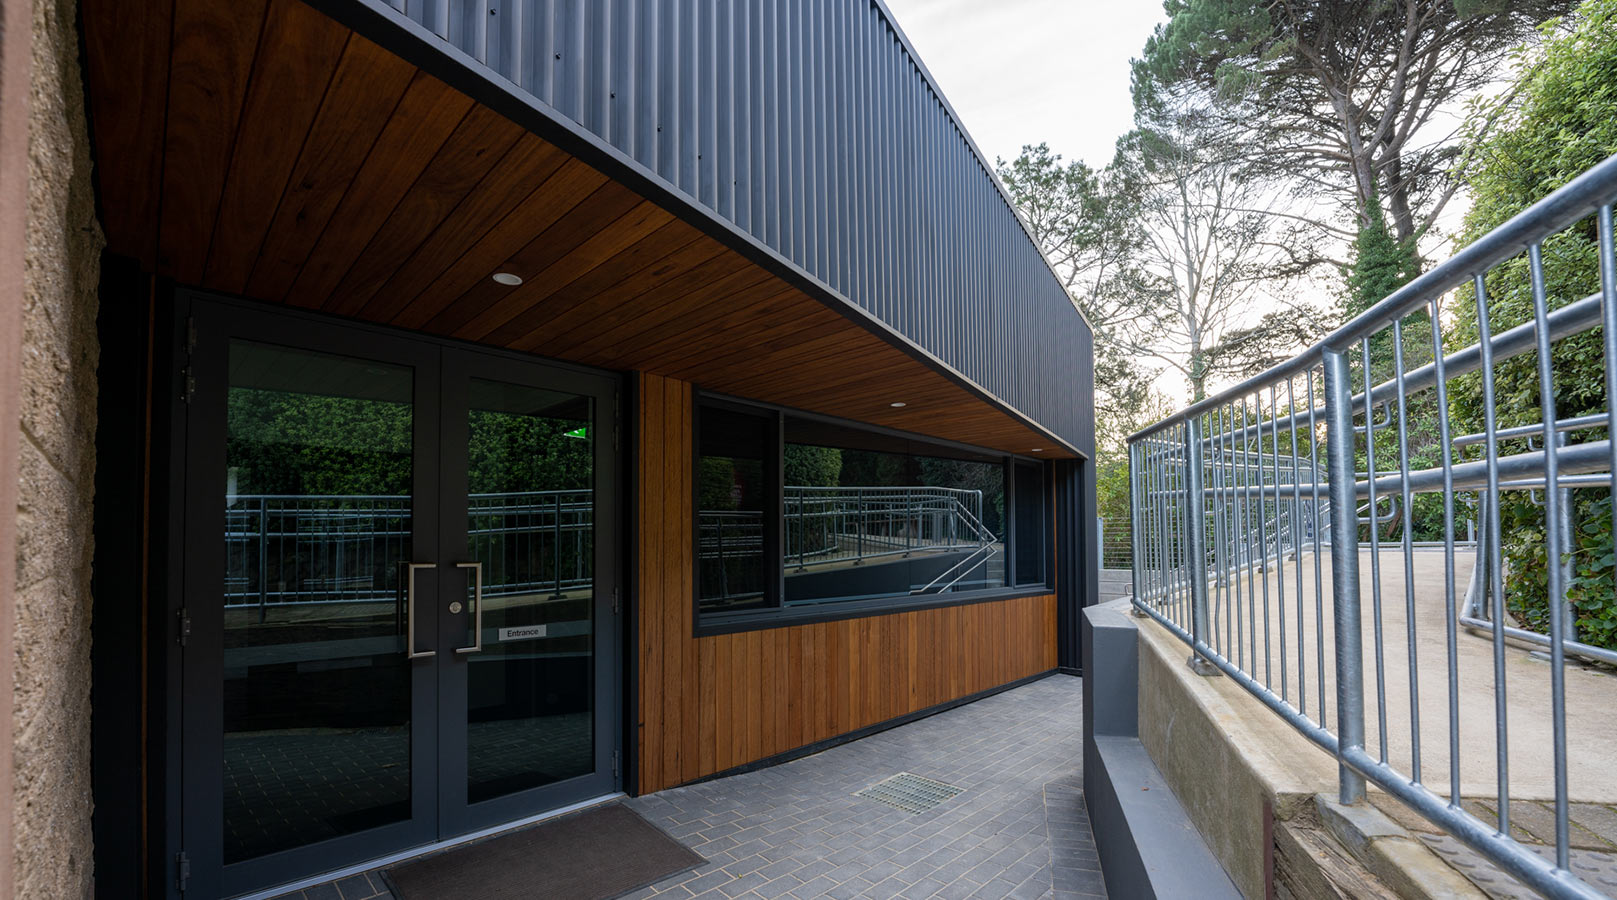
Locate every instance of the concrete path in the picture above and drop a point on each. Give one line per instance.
(1260, 624)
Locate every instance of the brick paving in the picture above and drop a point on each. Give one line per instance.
(1592, 828)
(1018, 829)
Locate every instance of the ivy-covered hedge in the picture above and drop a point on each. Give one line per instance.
(1561, 120)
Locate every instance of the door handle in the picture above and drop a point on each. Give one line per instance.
(477, 607)
(410, 651)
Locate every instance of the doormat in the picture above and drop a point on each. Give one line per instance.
(599, 853)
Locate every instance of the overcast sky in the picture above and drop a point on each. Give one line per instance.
(1024, 71)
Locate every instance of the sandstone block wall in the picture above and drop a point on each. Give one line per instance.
(51, 715)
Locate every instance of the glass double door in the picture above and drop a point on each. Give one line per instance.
(398, 616)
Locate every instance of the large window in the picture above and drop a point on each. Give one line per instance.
(798, 514)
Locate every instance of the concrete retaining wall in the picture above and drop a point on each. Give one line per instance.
(1115, 583)
(1224, 755)
(1230, 761)
(1148, 846)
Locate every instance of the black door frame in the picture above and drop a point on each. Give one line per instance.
(460, 366)
(203, 323)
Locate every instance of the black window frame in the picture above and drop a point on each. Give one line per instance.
(774, 494)
(775, 613)
(1017, 468)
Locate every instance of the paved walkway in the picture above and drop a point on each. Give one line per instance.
(1017, 829)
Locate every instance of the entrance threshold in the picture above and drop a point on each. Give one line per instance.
(413, 852)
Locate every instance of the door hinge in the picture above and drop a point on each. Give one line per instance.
(616, 762)
(188, 379)
(182, 870)
(185, 625)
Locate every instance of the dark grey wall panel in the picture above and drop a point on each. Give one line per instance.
(810, 125)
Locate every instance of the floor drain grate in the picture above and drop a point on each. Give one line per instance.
(908, 792)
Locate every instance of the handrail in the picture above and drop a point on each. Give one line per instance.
(1244, 500)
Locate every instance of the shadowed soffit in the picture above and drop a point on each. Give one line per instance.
(261, 149)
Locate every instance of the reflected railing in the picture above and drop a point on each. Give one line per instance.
(826, 527)
(284, 549)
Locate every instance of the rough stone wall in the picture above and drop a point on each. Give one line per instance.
(52, 799)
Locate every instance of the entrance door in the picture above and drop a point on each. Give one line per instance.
(399, 573)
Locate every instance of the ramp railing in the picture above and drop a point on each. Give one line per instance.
(1300, 530)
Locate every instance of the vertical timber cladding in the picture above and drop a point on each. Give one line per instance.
(712, 703)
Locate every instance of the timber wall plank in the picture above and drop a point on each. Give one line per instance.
(713, 703)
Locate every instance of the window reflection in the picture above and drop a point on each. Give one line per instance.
(318, 500)
(733, 495)
(798, 510)
(867, 523)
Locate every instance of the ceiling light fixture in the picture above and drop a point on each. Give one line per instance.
(1038, 449)
(898, 404)
(507, 278)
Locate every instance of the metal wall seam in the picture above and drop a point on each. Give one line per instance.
(724, 79)
(877, 163)
(691, 100)
(848, 221)
(812, 134)
(599, 92)
(855, 154)
(707, 144)
(619, 113)
(813, 139)
(742, 122)
(664, 76)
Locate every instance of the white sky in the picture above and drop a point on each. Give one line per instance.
(1024, 71)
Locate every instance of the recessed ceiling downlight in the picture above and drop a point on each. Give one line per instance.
(507, 278)
(898, 404)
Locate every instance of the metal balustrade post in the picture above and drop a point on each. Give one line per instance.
(1138, 512)
(1569, 616)
(859, 555)
(263, 559)
(909, 513)
(1196, 545)
(555, 541)
(802, 533)
(1340, 476)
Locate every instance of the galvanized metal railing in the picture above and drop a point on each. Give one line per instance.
(301, 549)
(1115, 543)
(1276, 524)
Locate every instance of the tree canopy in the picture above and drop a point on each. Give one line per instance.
(1341, 98)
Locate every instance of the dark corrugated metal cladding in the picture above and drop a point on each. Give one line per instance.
(807, 124)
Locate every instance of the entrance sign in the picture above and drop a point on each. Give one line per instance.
(524, 633)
